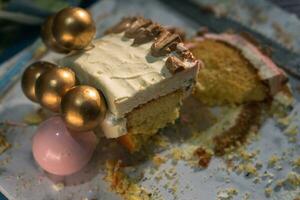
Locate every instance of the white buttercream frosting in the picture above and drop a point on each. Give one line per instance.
(127, 75)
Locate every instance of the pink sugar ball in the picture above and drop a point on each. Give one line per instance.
(61, 151)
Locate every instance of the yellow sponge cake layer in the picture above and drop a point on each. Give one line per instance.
(228, 77)
(146, 120)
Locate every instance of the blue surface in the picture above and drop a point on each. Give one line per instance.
(2, 197)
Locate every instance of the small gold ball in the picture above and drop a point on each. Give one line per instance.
(83, 108)
(73, 28)
(48, 38)
(31, 74)
(52, 85)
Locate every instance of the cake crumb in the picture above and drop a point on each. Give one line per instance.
(227, 194)
(296, 163)
(58, 186)
(122, 184)
(250, 169)
(204, 157)
(158, 160)
(268, 191)
(273, 160)
(293, 178)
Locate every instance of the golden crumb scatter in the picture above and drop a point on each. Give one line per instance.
(296, 162)
(227, 194)
(250, 169)
(158, 160)
(268, 191)
(228, 77)
(204, 156)
(273, 160)
(293, 178)
(177, 154)
(292, 130)
(58, 187)
(122, 184)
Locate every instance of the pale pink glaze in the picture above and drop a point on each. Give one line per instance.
(61, 151)
(275, 81)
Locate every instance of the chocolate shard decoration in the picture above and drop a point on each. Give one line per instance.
(165, 43)
(124, 24)
(147, 34)
(174, 64)
(183, 52)
(136, 26)
(178, 31)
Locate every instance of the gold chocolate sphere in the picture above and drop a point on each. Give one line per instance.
(73, 28)
(52, 85)
(31, 74)
(48, 38)
(83, 108)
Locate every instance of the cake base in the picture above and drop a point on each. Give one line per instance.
(144, 121)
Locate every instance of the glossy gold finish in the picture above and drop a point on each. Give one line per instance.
(48, 38)
(83, 108)
(31, 74)
(73, 28)
(52, 85)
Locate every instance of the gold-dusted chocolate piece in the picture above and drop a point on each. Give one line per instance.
(124, 24)
(48, 38)
(52, 85)
(73, 28)
(147, 34)
(31, 74)
(175, 65)
(165, 43)
(83, 108)
(136, 25)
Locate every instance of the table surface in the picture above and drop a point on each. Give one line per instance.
(24, 105)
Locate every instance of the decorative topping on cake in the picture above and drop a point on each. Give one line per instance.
(165, 43)
(124, 24)
(147, 34)
(175, 65)
(70, 29)
(135, 27)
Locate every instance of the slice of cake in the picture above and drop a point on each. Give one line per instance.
(144, 72)
(235, 72)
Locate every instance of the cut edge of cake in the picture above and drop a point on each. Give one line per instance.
(267, 70)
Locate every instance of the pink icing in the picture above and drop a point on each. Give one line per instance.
(61, 151)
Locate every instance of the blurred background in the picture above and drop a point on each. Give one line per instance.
(20, 20)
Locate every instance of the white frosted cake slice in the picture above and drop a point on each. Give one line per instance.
(143, 71)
